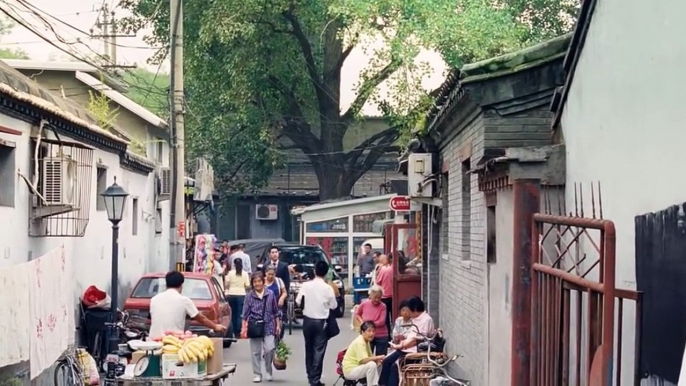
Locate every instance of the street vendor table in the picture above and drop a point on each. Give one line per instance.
(217, 379)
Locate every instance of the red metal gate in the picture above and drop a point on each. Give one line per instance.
(574, 299)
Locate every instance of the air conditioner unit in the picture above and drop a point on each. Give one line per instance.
(163, 181)
(58, 184)
(266, 212)
(419, 170)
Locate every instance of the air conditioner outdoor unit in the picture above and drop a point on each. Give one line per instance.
(58, 184)
(164, 181)
(266, 212)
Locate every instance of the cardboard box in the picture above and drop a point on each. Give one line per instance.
(173, 369)
(215, 363)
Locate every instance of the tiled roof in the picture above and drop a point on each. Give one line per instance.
(18, 86)
(533, 56)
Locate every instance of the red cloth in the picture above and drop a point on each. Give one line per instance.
(92, 296)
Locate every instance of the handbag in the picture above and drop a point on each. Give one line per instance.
(256, 327)
(331, 328)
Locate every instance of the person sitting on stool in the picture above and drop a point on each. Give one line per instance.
(358, 362)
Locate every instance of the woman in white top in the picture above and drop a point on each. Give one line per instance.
(236, 282)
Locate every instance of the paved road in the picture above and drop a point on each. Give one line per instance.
(239, 353)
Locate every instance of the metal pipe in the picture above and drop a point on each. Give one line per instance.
(594, 223)
(564, 275)
(113, 338)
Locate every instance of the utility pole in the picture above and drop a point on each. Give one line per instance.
(107, 23)
(178, 211)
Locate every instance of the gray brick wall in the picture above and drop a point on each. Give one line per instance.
(524, 128)
(462, 275)
(431, 263)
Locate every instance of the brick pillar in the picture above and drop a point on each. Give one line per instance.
(527, 199)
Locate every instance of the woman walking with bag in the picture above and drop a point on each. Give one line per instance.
(236, 282)
(261, 324)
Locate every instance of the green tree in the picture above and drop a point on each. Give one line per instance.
(6, 27)
(258, 70)
(149, 89)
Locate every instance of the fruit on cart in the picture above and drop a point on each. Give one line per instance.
(189, 350)
(172, 341)
(170, 349)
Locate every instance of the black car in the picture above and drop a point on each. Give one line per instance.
(254, 247)
(305, 257)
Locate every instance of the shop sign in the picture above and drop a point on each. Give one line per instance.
(401, 204)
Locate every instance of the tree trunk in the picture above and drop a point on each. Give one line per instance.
(334, 180)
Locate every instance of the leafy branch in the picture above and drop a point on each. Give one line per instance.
(99, 106)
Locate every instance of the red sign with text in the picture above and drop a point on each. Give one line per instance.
(400, 203)
(181, 229)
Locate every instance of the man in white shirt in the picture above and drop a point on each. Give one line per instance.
(317, 299)
(168, 309)
(243, 256)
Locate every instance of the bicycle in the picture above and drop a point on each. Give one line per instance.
(290, 312)
(69, 369)
(437, 361)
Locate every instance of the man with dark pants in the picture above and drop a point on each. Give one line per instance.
(282, 272)
(317, 300)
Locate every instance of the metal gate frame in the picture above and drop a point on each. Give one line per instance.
(552, 286)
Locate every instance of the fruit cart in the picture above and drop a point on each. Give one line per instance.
(217, 379)
(177, 359)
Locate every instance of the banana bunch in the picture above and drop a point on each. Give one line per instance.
(171, 344)
(196, 350)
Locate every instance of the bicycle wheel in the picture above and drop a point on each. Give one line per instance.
(65, 375)
(290, 315)
(97, 349)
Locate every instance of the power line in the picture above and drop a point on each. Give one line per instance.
(22, 22)
(77, 42)
(78, 56)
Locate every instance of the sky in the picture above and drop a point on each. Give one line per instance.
(83, 15)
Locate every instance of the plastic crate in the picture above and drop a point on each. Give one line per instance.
(362, 282)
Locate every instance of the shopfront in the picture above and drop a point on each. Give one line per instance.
(341, 228)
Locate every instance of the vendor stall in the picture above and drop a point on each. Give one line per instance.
(342, 227)
(215, 379)
(177, 359)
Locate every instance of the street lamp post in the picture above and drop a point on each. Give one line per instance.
(115, 200)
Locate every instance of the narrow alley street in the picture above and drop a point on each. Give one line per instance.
(239, 353)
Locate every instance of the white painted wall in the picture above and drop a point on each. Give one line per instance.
(623, 120)
(500, 294)
(139, 254)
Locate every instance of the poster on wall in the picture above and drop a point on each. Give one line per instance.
(204, 250)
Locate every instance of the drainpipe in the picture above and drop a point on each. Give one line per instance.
(527, 199)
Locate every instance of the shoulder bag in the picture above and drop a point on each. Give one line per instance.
(256, 327)
(331, 328)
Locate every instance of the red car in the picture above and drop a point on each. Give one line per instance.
(203, 290)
